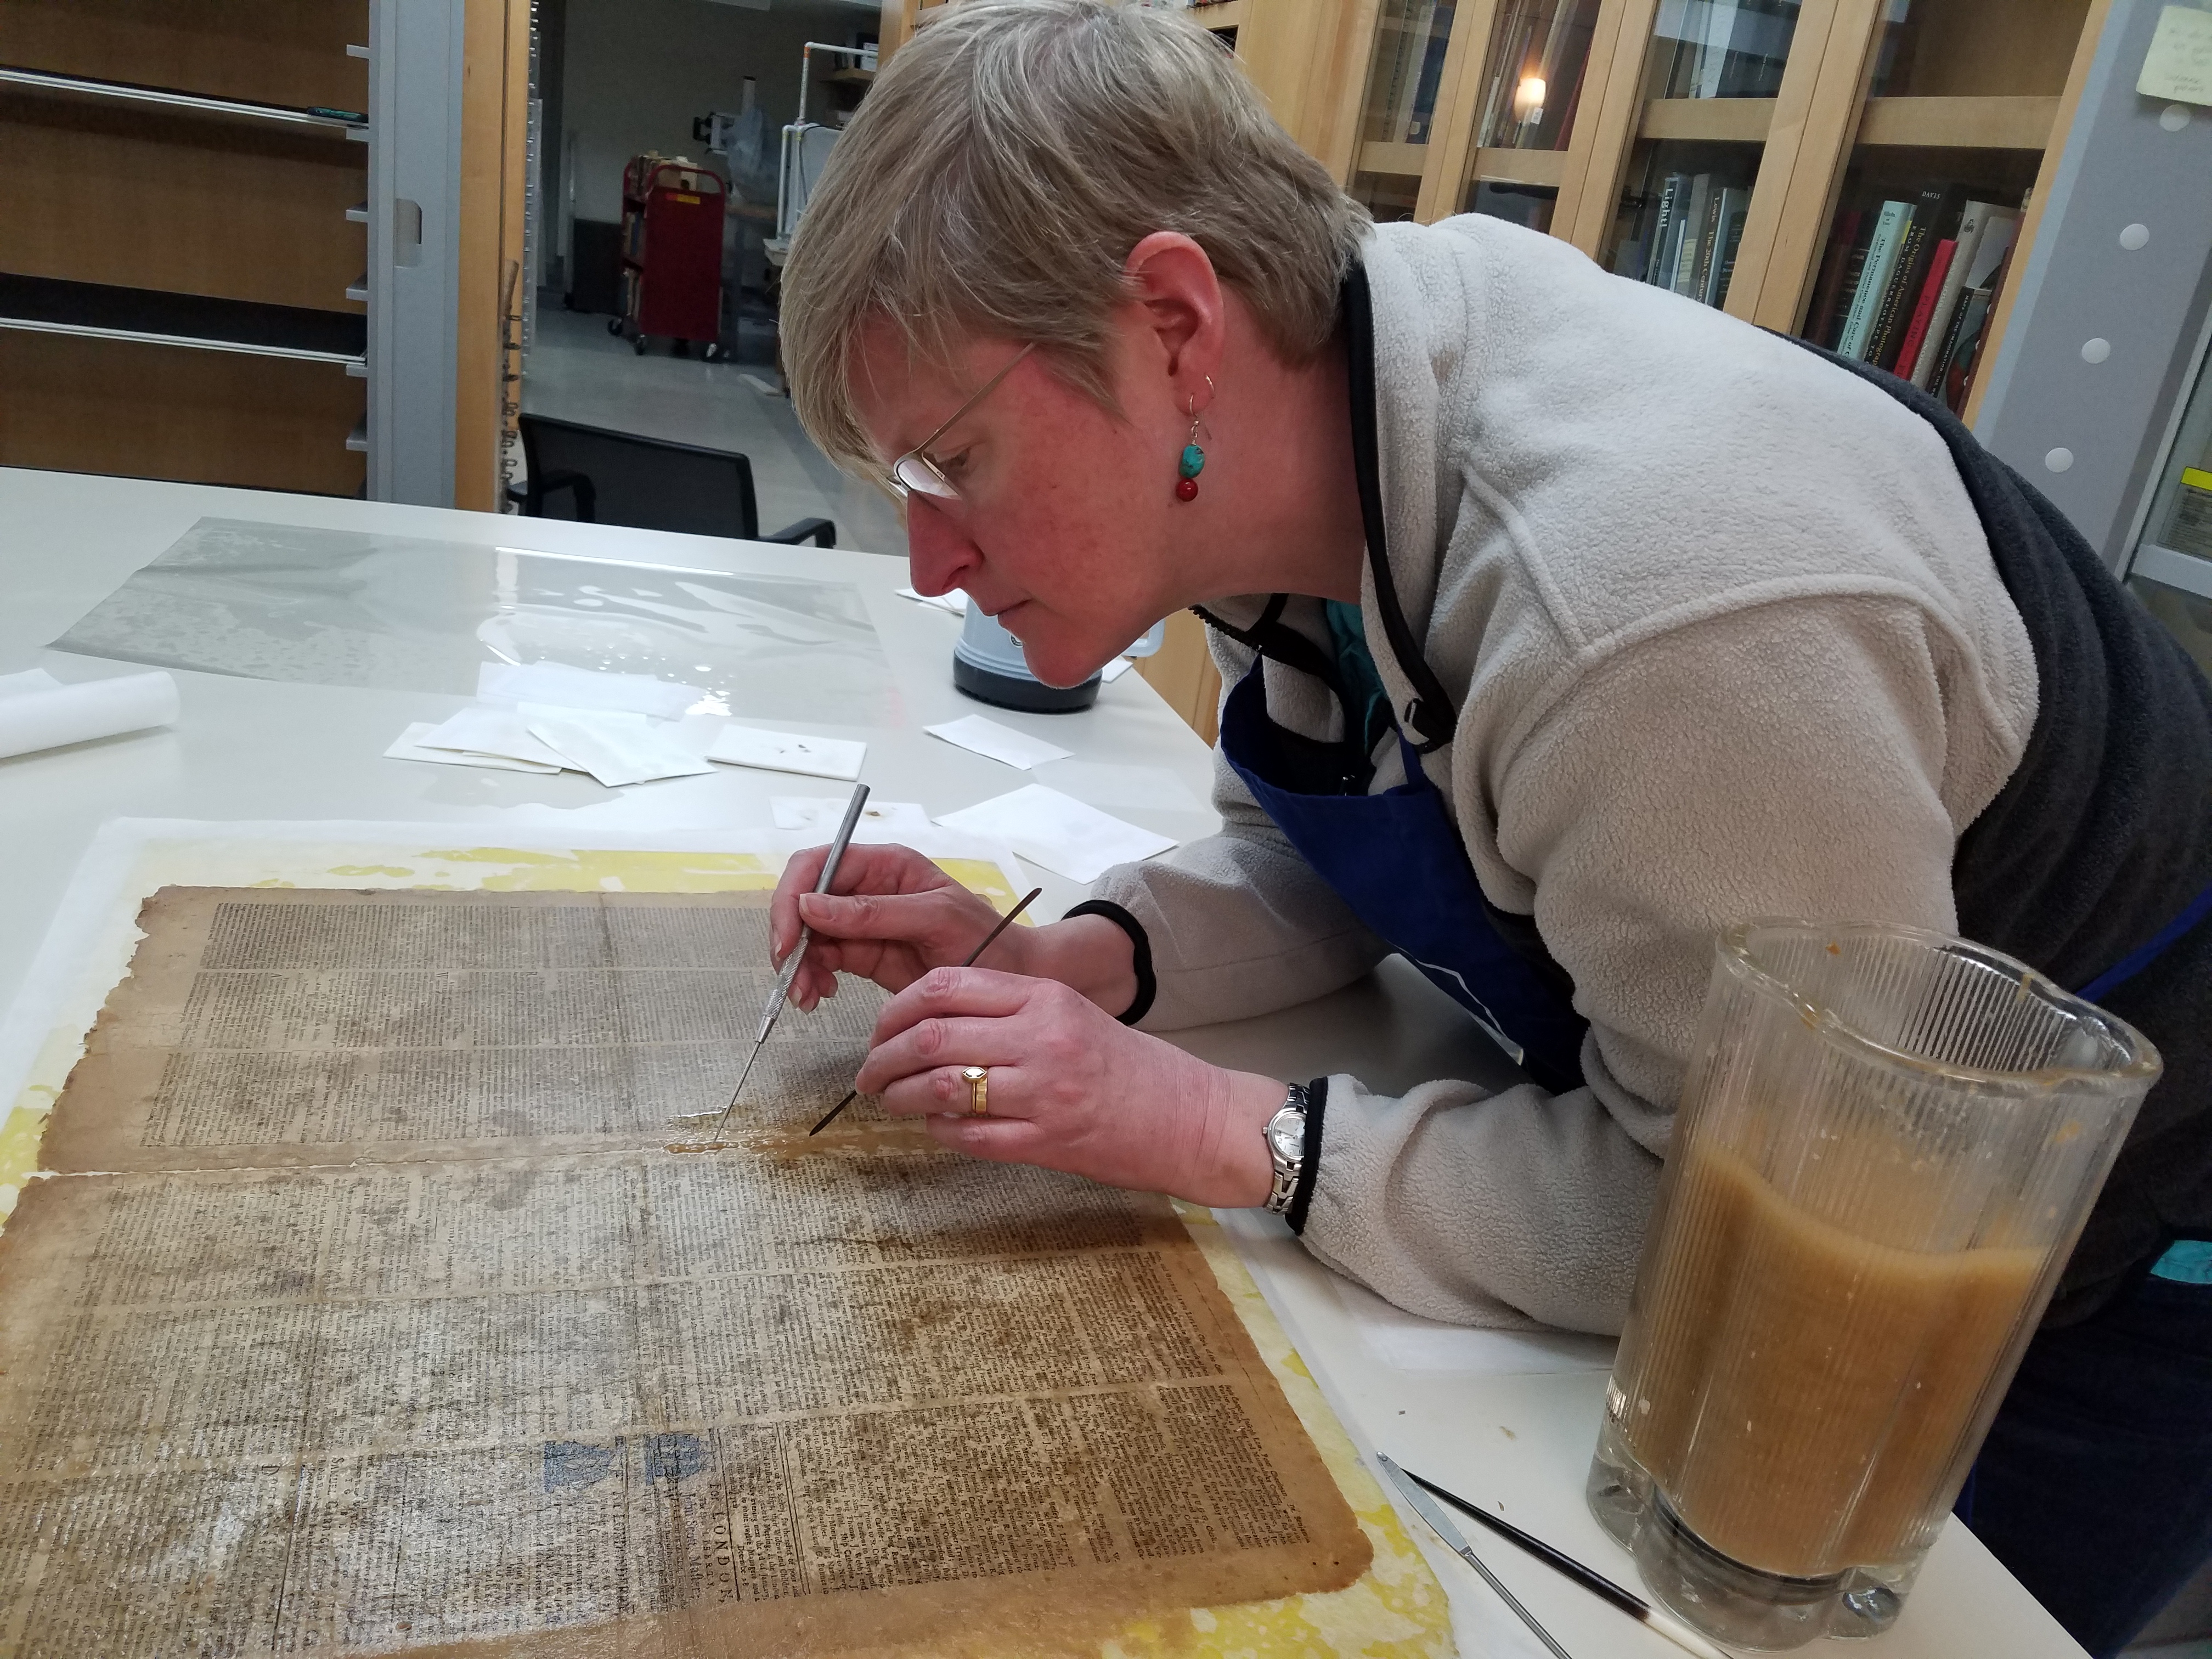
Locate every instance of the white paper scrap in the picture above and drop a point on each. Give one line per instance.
(1058, 831)
(614, 747)
(880, 819)
(788, 751)
(31, 679)
(479, 731)
(999, 742)
(954, 600)
(1114, 669)
(409, 746)
(508, 686)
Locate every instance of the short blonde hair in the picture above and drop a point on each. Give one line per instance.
(1002, 166)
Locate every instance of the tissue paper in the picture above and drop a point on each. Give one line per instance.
(1059, 832)
(34, 716)
(788, 751)
(614, 747)
(999, 742)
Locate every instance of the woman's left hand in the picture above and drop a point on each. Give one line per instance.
(1071, 1088)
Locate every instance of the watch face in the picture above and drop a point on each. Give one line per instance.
(1286, 1134)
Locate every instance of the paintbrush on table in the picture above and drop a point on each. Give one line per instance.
(1004, 922)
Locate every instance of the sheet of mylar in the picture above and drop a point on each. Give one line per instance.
(365, 1307)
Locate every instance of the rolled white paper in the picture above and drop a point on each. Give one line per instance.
(31, 720)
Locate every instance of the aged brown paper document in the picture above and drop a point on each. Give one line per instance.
(367, 1311)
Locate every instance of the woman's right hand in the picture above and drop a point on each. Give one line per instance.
(895, 916)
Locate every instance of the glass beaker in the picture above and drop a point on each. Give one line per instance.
(1888, 1142)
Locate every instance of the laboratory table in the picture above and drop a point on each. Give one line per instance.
(1507, 1420)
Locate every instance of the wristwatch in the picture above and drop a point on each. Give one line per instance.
(1286, 1145)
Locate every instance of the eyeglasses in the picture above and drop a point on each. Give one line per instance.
(915, 474)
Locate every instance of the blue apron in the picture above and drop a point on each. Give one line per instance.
(1397, 860)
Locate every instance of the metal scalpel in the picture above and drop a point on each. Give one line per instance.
(783, 980)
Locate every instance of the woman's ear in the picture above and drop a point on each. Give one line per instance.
(1182, 310)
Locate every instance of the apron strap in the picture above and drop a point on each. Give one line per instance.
(1430, 714)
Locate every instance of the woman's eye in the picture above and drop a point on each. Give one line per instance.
(953, 465)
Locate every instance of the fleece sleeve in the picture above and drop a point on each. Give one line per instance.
(1777, 760)
(1239, 923)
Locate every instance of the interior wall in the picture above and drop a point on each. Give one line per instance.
(636, 72)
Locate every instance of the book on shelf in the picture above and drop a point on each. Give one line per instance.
(1828, 285)
(1924, 308)
(1734, 206)
(1658, 269)
(1693, 229)
(1966, 359)
(1986, 230)
(1933, 212)
(1882, 249)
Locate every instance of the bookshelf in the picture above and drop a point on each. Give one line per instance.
(1719, 148)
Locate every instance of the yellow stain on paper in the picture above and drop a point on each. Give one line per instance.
(1397, 1610)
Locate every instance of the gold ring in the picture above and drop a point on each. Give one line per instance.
(978, 1078)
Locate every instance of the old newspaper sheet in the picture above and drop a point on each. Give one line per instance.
(369, 1311)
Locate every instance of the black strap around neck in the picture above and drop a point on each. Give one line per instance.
(1430, 714)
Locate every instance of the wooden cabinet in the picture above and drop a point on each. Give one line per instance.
(181, 279)
(1736, 151)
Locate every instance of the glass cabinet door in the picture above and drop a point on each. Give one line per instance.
(1403, 78)
(1959, 100)
(1526, 109)
(1713, 72)
(2172, 570)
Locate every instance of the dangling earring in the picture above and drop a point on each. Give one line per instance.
(1193, 459)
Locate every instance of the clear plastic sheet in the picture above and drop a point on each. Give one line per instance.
(333, 607)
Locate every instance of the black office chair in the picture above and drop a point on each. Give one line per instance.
(618, 477)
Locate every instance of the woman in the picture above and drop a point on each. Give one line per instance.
(1564, 623)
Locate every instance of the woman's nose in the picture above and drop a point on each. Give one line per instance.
(940, 555)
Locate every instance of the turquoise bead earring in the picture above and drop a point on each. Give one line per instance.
(1193, 459)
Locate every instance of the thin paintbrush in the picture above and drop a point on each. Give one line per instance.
(1004, 922)
(776, 997)
(1595, 1583)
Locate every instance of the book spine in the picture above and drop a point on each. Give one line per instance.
(1694, 223)
(1989, 321)
(1669, 194)
(1874, 281)
(1924, 309)
(1890, 317)
(1972, 222)
(1701, 278)
(1734, 203)
(1964, 321)
(1829, 283)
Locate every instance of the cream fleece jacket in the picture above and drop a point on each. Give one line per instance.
(1727, 641)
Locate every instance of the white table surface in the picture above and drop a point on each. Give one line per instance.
(259, 750)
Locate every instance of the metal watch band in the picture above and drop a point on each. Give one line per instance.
(1292, 1114)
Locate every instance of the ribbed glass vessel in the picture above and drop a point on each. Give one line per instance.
(1887, 1144)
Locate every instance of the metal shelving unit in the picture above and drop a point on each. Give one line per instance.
(402, 342)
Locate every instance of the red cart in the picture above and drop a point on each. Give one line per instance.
(671, 255)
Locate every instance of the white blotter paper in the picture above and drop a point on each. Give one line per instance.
(31, 679)
(497, 732)
(788, 751)
(614, 747)
(1062, 834)
(409, 745)
(998, 743)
